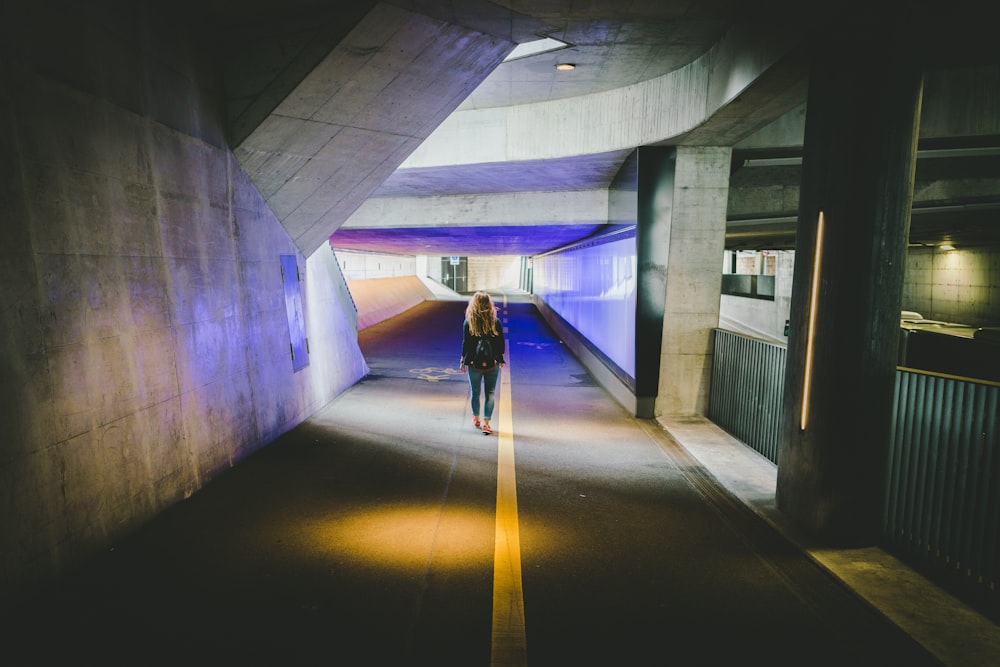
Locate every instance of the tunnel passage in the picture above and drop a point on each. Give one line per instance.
(367, 534)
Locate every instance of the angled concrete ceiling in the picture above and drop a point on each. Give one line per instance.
(400, 126)
(321, 144)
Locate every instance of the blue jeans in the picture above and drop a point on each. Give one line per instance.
(483, 379)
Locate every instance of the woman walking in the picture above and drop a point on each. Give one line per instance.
(482, 356)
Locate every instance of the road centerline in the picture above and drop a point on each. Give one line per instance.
(509, 647)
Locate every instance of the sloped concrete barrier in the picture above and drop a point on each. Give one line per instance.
(378, 299)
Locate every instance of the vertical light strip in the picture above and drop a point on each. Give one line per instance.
(811, 330)
(509, 648)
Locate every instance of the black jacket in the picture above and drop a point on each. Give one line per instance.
(469, 347)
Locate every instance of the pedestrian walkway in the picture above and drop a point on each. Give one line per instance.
(387, 531)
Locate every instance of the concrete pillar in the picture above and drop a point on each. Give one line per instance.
(862, 119)
(680, 240)
(655, 167)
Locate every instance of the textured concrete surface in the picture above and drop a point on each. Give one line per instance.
(579, 207)
(145, 344)
(379, 299)
(359, 113)
(691, 308)
(615, 119)
(763, 208)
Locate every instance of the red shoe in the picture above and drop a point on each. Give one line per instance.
(487, 429)
(475, 421)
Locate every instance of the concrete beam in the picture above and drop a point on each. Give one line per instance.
(354, 118)
(512, 208)
(651, 112)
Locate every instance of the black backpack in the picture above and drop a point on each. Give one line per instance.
(483, 356)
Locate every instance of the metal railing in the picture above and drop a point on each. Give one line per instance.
(942, 488)
(748, 381)
(942, 509)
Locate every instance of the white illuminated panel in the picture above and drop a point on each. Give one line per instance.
(594, 289)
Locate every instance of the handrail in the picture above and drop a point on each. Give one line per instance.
(942, 488)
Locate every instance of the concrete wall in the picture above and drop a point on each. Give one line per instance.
(487, 273)
(336, 361)
(365, 265)
(960, 285)
(145, 344)
(381, 285)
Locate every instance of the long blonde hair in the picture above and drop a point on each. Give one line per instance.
(482, 315)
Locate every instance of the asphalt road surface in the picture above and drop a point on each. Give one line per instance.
(386, 530)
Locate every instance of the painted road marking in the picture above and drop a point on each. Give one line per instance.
(509, 648)
(434, 374)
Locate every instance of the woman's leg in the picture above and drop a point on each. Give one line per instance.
(475, 382)
(490, 378)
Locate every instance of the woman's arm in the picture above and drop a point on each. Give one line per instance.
(500, 345)
(466, 350)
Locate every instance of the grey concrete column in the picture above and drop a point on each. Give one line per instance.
(859, 154)
(694, 239)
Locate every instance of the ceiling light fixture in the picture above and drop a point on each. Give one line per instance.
(565, 67)
(536, 47)
(946, 246)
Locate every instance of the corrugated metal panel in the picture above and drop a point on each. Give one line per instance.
(745, 399)
(942, 506)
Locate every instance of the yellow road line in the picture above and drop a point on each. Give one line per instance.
(509, 648)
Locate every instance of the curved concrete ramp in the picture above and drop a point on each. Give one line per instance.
(378, 299)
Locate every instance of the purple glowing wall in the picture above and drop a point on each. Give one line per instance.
(593, 287)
